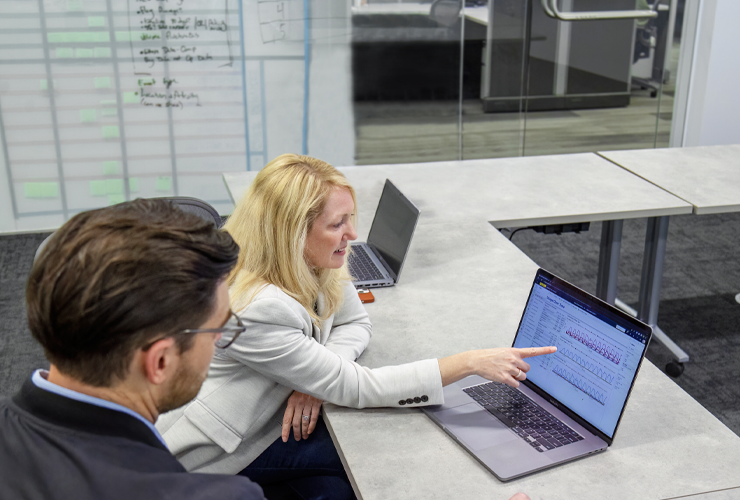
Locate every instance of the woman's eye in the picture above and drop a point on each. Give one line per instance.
(337, 226)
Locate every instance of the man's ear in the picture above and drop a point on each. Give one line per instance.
(161, 360)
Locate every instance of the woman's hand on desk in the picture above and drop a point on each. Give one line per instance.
(505, 364)
(300, 404)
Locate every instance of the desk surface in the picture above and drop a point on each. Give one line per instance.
(509, 192)
(478, 14)
(708, 177)
(464, 287)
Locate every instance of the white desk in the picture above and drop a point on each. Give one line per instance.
(706, 177)
(464, 287)
(477, 14)
(516, 192)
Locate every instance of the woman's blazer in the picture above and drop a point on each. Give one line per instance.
(239, 409)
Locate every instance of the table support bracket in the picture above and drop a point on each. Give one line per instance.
(651, 281)
(606, 277)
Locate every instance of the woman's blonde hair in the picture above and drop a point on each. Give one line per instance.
(271, 223)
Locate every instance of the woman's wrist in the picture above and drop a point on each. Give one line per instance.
(456, 367)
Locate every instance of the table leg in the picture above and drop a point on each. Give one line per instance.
(651, 281)
(606, 277)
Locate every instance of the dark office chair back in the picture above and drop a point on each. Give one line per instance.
(197, 207)
(187, 204)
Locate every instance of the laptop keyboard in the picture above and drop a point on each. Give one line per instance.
(541, 430)
(361, 266)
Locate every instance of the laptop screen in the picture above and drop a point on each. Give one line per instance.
(393, 226)
(599, 350)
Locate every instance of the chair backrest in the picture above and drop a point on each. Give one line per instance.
(197, 207)
(445, 12)
(186, 203)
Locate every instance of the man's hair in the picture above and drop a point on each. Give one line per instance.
(111, 281)
(271, 223)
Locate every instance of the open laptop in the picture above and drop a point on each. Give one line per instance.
(379, 261)
(571, 402)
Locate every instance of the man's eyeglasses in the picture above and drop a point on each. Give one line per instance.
(226, 333)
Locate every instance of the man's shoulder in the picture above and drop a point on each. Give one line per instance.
(197, 486)
(52, 462)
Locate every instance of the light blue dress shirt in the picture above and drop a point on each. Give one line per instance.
(39, 380)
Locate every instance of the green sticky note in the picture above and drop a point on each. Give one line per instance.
(101, 51)
(74, 4)
(102, 82)
(88, 115)
(131, 97)
(115, 199)
(79, 37)
(164, 184)
(64, 53)
(43, 84)
(133, 184)
(83, 53)
(95, 21)
(114, 186)
(41, 189)
(59, 37)
(110, 132)
(109, 112)
(108, 102)
(97, 188)
(111, 167)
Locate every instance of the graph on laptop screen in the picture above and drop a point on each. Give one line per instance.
(592, 371)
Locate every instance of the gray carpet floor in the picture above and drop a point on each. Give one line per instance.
(697, 309)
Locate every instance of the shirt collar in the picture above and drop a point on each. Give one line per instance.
(40, 380)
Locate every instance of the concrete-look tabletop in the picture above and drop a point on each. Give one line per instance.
(464, 286)
(509, 192)
(708, 177)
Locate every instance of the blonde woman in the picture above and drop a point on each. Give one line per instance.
(305, 327)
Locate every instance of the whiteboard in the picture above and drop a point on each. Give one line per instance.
(103, 101)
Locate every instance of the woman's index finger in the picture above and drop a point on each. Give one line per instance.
(529, 352)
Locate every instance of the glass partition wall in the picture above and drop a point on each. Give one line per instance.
(104, 101)
(529, 82)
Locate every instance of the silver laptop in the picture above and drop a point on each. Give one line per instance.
(571, 402)
(379, 261)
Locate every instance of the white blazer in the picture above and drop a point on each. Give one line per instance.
(239, 410)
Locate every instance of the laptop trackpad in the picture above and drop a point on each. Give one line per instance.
(475, 426)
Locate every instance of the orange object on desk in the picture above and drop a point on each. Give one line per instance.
(365, 295)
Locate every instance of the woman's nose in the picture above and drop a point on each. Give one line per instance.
(351, 234)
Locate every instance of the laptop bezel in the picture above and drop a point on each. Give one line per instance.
(633, 322)
(394, 276)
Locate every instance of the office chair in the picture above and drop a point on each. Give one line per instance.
(186, 203)
(197, 207)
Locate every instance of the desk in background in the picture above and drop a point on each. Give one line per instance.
(516, 192)
(563, 63)
(706, 177)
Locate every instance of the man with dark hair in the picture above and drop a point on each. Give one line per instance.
(128, 303)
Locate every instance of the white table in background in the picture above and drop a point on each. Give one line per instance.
(516, 192)
(708, 178)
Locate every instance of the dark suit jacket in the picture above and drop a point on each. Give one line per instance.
(52, 447)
